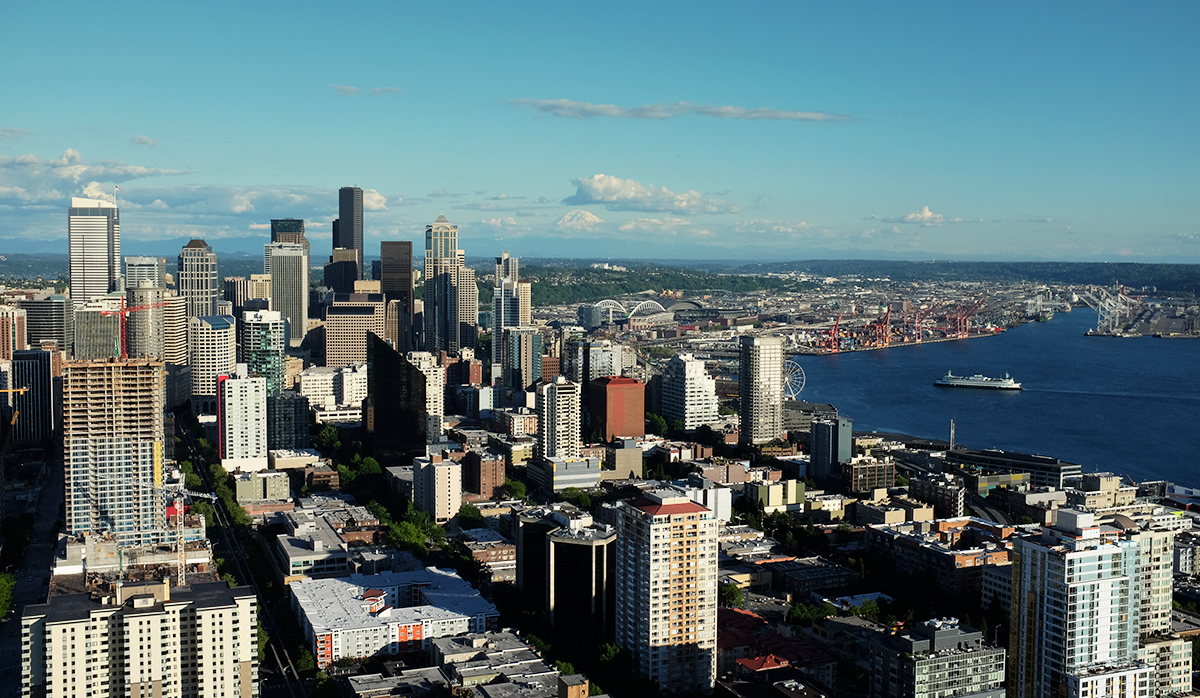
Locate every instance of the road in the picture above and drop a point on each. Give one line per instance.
(33, 577)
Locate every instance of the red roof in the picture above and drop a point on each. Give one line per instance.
(764, 663)
(372, 594)
(655, 508)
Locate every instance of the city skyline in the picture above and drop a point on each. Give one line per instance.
(793, 132)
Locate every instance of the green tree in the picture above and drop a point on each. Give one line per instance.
(7, 583)
(469, 517)
(657, 424)
(305, 661)
(565, 668)
(370, 466)
(516, 488)
(263, 639)
(329, 440)
(731, 595)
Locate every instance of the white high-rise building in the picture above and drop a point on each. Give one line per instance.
(451, 303)
(196, 279)
(760, 389)
(287, 263)
(212, 351)
(175, 330)
(147, 640)
(144, 336)
(667, 589)
(437, 487)
(435, 391)
(586, 361)
(511, 304)
(242, 421)
(113, 448)
(557, 404)
(689, 394)
(141, 269)
(1076, 613)
(94, 246)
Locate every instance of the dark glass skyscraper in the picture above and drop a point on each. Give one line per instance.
(348, 233)
(396, 282)
(394, 411)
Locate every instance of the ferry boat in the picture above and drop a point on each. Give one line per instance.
(978, 381)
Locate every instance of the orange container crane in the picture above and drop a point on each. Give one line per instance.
(123, 315)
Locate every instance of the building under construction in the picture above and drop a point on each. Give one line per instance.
(113, 448)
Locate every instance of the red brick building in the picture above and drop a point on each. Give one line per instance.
(617, 407)
(483, 474)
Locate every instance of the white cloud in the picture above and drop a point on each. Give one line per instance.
(442, 193)
(34, 173)
(925, 218)
(764, 228)
(499, 222)
(345, 90)
(10, 133)
(374, 201)
(93, 190)
(260, 226)
(144, 140)
(654, 225)
(384, 90)
(618, 194)
(571, 109)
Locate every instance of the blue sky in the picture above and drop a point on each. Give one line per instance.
(787, 130)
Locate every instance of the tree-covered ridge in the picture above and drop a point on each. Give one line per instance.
(558, 286)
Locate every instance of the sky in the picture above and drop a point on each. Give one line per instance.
(752, 131)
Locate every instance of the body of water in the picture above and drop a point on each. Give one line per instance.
(1130, 406)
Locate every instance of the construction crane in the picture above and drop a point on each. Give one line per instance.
(1112, 310)
(123, 315)
(915, 319)
(835, 341)
(957, 324)
(881, 329)
(12, 424)
(179, 494)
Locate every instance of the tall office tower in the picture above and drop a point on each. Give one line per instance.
(396, 283)
(151, 269)
(510, 306)
(288, 266)
(263, 343)
(1076, 612)
(287, 421)
(451, 303)
(587, 360)
(667, 589)
(832, 447)
(242, 421)
(348, 321)
(175, 330)
(520, 358)
(112, 435)
(689, 394)
(196, 279)
(341, 272)
(212, 351)
(237, 292)
(435, 390)
(49, 318)
(394, 411)
(144, 329)
(349, 231)
(14, 335)
(260, 287)
(760, 385)
(98, 328)
(617, 407)
(212, 628)
(437, 487)
(94, 246)
(33, 369)
(557, 406)
(289, 230)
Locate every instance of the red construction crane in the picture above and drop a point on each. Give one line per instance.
(123, 314)
(881, 329)
(915, 319)
(835, 341)
(957, 320)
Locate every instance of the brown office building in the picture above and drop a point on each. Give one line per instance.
(617, 407)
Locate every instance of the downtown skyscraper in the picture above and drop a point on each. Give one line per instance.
(512, 304)
(94, 247)
(396, 283)
(760, 387)
(287, 263)
(197, 278)
(451, 296)
(348, 228)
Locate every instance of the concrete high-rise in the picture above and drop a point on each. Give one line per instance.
(98, 328)
(760, 389)
(451, 300)
(557, 404)
(689, 393)
(348, 321)
(349, 229)
(1076, 612)
(936, 659)
(287, 421)
(289, 230)
(49, 318)
(511, 302)
(151, 269)
(520, 358)
(113, 448)
(832, 447)
(94, 248)
(435, 390)
(396, 283)
(144, 329)
(288, 266)
(263, 344)
(196, 279)
(437, 487)
(211, 629)
(175, 330)
(667, 589)
(242, 421)
(14, 335)
(212, 351)
(617, 407)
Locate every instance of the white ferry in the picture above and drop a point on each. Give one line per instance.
(978, 381)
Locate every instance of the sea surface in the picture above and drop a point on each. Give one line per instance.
(1129, 406)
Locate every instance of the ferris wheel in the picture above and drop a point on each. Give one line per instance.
(793, 379)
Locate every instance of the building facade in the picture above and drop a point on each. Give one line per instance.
(437, 487)
(397, 285)
(617, 407)
(760, 389)
(94, 248)
(936, 659)
(196, 278)
(263, 344)
(13, 333)
(689, 393)
(242, 421)
(348, 231)
(288, 266)
(212, 351)
(451, 302)
(33, 369)
(558, 410)
(287, 421)
(151, 270)
(348, 321)
(49, 318)
(832, 447)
